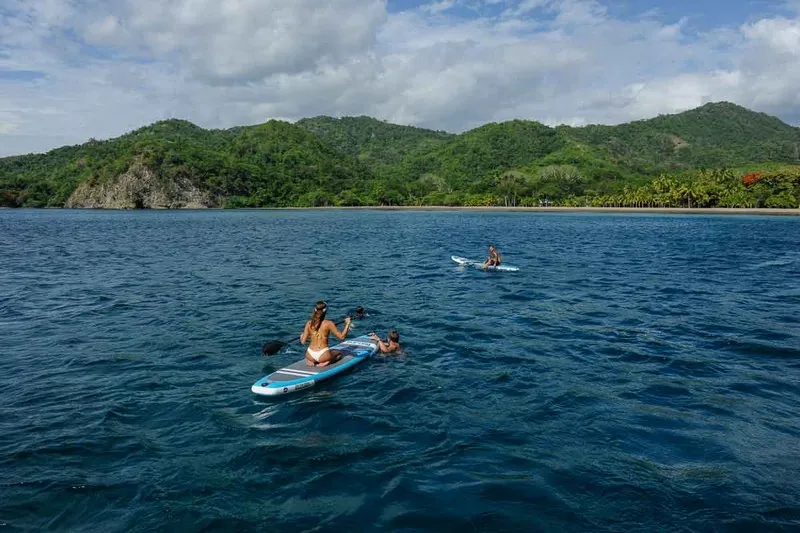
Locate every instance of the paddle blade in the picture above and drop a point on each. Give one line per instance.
(271, 348)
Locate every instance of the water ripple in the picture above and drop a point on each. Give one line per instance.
(638, 373)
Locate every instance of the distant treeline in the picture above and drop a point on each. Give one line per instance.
(718, 155)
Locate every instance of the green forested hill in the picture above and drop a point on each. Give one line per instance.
(472, 163)
(690, 158)
(275, 163)
(282, 164)
(48, 179)
(714, 135)
(373, 141)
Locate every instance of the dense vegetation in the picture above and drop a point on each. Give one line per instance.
(276, 163)
(719, 155)
(372, 141)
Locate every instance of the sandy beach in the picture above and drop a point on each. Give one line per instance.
(632, 210)
(639, 210)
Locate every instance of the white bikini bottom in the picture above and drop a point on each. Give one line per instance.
(316, 354)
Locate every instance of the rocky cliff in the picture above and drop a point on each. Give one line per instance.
(140, 188)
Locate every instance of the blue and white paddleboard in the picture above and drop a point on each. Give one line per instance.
(463, 261)
(300, 375)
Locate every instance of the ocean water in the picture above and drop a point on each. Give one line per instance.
(640, 373)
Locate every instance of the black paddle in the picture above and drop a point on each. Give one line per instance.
(273, 347)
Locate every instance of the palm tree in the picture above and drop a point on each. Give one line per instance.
(688, 192)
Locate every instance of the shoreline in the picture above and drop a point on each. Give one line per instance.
(655, 210)
(761, 211)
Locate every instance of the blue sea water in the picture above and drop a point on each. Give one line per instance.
(640, 373)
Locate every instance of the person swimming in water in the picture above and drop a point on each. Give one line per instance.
(392, 343)
(494, 258)
(318, 329)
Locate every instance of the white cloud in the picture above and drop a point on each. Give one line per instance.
(240, 40)
(779, 35)
(9, 121)
(109, 66)
(439, 7)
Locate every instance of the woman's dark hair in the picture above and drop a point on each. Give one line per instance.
(394, 336)
(318, 315)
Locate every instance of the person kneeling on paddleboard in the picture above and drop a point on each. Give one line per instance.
(392, 343)
(494, 258)
(318, 329)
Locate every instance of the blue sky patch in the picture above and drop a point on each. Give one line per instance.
(702, 14)
(20, 75)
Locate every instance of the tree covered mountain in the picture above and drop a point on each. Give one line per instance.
(275, 163)
(712, 136)
(372, 141)
(363, 161)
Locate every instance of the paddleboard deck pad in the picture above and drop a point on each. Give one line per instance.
(299, 375)
(463, 261)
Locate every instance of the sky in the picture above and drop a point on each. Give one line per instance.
(71, 70)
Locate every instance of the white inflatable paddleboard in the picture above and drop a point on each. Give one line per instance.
(300, 375)
(463, 261)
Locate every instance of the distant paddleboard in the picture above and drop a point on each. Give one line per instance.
(463, 261)
(300, 375)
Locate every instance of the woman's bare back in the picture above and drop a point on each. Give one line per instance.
(319, 338)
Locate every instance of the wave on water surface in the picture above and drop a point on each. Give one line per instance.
(636, 374)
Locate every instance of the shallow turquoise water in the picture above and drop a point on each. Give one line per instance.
(641, 373)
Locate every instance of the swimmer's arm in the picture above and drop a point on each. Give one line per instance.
(340, 334)
(381, 345)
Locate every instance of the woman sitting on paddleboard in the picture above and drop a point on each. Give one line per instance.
(392, 343)
(493, 259)
(317, 329)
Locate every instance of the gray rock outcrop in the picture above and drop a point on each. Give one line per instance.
(140, 188)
